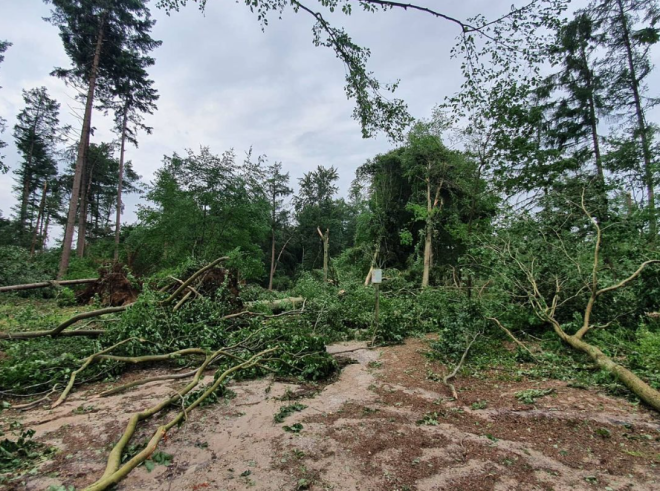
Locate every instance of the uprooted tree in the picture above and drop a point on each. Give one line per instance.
(574, 281)
(198, 322)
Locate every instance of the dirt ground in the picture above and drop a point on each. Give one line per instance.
(386, 423)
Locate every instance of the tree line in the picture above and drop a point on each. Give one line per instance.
(561, 109)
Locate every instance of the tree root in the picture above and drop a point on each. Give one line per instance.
(192, 278)
(114, 471)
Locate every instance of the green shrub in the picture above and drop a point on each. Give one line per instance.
(16, 267)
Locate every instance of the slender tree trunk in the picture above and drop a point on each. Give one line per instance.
(80, 161)
(82, 215)
(28, 171)
(326, 254)
(44, 234)
(641, 122)
(272, 261)
(120, 182)
(40, 218)
(326, 251)
(428, 240)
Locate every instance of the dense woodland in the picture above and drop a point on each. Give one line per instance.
(523, 211)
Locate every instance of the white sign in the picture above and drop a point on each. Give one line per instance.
(377, 276)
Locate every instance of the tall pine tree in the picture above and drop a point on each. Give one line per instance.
(95, 34)
(3, 167)
(135, 96)
(37, 132)
(630, 29)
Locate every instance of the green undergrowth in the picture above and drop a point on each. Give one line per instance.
(555, 360)
(19, 452)
(331, 313)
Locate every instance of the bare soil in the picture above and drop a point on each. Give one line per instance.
(386, 423)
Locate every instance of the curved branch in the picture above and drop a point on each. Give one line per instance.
(57, 331)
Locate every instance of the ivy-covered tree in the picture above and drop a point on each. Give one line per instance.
(434, 173)
(95, 34)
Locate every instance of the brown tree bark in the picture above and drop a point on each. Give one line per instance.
(80, 161)
(272, 260)
(641, 121)
(84, 203)
(40, 219)
(326, 250)
(121, 179)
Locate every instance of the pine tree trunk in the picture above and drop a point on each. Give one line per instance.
(80, 161)
(593, 118)
(641, 122)
(272, 262)
(44, 234)
(119, 183)
(27, 172)
(82, 215)
(40, 219)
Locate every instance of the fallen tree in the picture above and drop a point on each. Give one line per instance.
(45, 284)
(546, 304)
(205, 334)
(60, 329)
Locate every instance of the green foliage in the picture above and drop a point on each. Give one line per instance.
(646, 351)
(429, 419)
(294, 428)
(288, 410)
(17, 268)
(19, 454)
(530, 396)
(158, 458)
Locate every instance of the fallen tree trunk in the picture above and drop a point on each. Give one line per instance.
(114, 471)
(45, 284)
(640, 388)
(57, 331)
(103, 355)
(279, 304)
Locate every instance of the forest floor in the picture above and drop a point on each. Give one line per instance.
(385, 423)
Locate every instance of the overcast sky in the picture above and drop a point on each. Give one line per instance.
(224, 83)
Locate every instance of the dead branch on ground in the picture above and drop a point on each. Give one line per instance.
(45, 284)
(452, 375)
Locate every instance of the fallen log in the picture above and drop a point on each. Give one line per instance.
(279, 304)
(57, 331)
(115, 471)
(45, 284)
